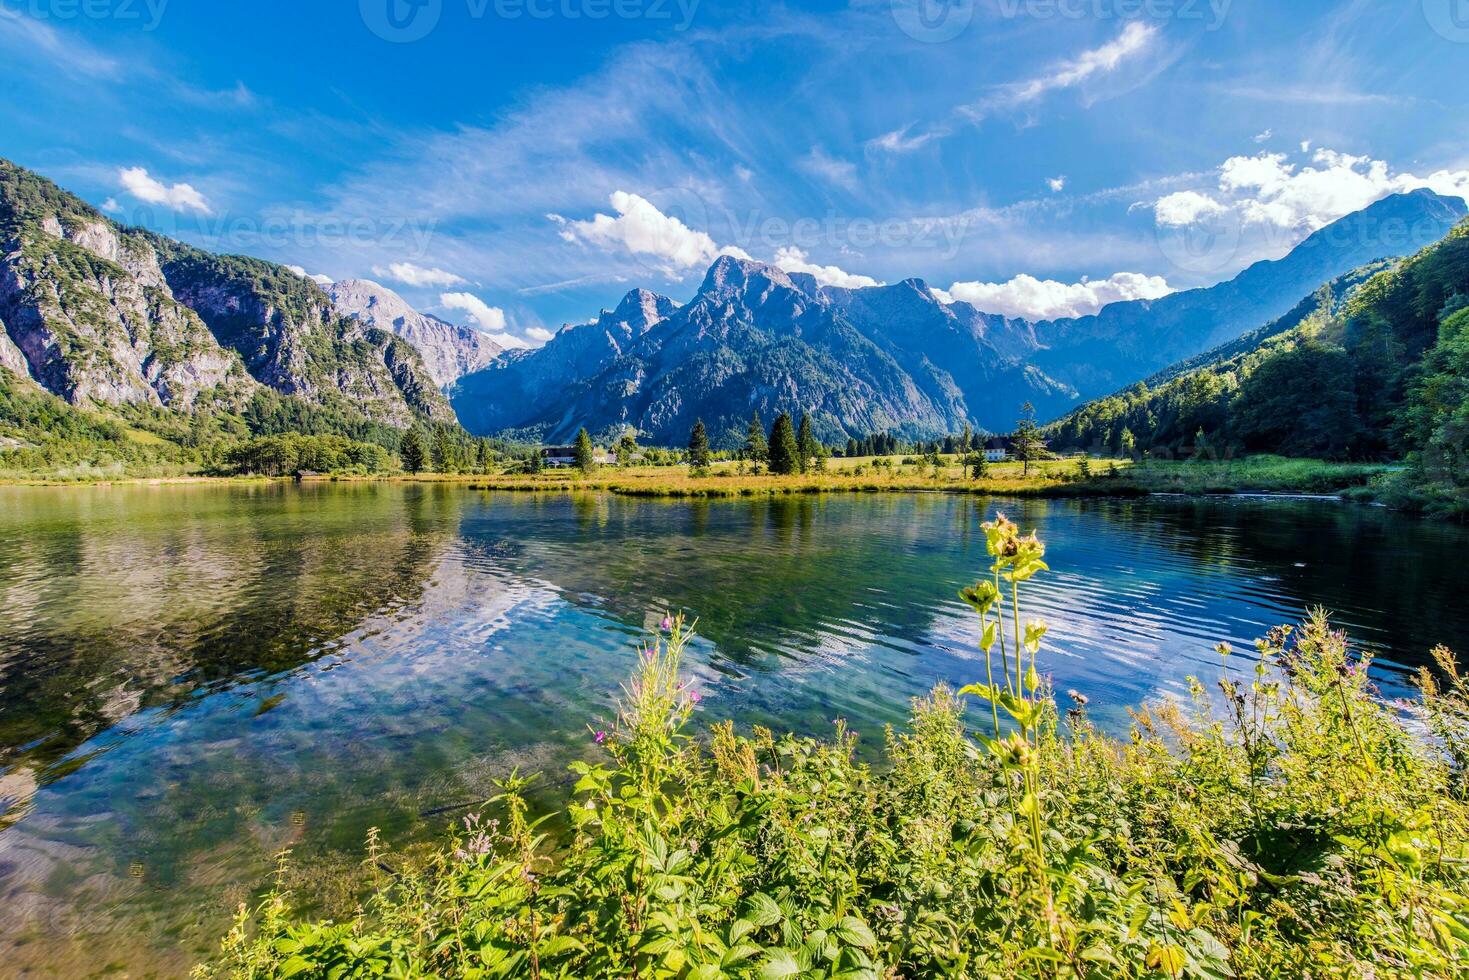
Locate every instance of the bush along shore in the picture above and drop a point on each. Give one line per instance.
(1287, 823)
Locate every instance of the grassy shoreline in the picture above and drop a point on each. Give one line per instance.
(1056, 478)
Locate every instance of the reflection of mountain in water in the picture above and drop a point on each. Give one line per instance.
(141, 599)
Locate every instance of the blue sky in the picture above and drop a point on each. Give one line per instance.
(522, 163)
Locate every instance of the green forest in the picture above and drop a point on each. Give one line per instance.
(1371, 367)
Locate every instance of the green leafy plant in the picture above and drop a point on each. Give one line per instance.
(1293, 824)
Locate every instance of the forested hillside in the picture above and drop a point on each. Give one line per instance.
(1372, 366)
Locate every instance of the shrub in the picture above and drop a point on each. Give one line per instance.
(1294, 826)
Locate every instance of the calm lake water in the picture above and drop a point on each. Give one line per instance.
(193, 678)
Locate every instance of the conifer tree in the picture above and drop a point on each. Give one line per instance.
(412, 452)
(785, 455)
(806, 447)
(699, 448)
(755, 449)
(584, 452)
(1027, 445)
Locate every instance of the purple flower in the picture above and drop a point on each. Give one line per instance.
(695, 697)
(667, 623)
(600, 737)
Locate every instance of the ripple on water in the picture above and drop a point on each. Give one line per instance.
(190, 681)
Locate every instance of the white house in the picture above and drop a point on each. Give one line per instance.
(997, 449)
(563, 457)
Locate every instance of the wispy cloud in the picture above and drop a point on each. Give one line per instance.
(832, 170)
(22, 35)
(1134, 40)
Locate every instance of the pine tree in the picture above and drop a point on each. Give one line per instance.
(755, 449)
(412, 452)
(1027, 445)
(785, 455)
(699, 448)
(482, 458)
(966, 439)
(584, 451)
(805, 444)
(853, 449)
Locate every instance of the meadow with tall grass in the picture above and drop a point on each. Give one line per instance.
(1287, 822)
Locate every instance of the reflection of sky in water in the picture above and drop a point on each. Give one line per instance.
(192, 680)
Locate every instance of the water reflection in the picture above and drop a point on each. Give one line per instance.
(193, 678)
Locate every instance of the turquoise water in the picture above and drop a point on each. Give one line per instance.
(194, 678)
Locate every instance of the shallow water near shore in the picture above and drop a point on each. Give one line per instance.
(193, 678)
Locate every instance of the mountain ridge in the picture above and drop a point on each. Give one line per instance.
(113, 316)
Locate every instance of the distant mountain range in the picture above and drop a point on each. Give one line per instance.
(754, 337)
(116, 317)
(890, 357)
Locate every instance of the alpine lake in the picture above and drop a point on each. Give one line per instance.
(196, 678)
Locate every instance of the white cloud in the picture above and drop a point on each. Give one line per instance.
(642, 229)
(898, 141)
(490, 319)
(1184, 208)
(1305, 146)
(1272, 191)
(539, 334)
(1056, 184)
(792, 259)
(178, 197)
(1046, 299)
(818, 163)
(416, 275)
(317, 278)
(1265, 136)
(1135, 39)
(111, 206)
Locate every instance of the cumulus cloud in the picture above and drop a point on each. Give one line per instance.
(416, 275)
(792, 259)
(1265, 136)
(539, 334)
(111, 206)
(178, 197)
(318, 278)
(1056, 184)
(1046, 299)
(490, 319)
(1272, 191)
(1185, 208)
(640, 228)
